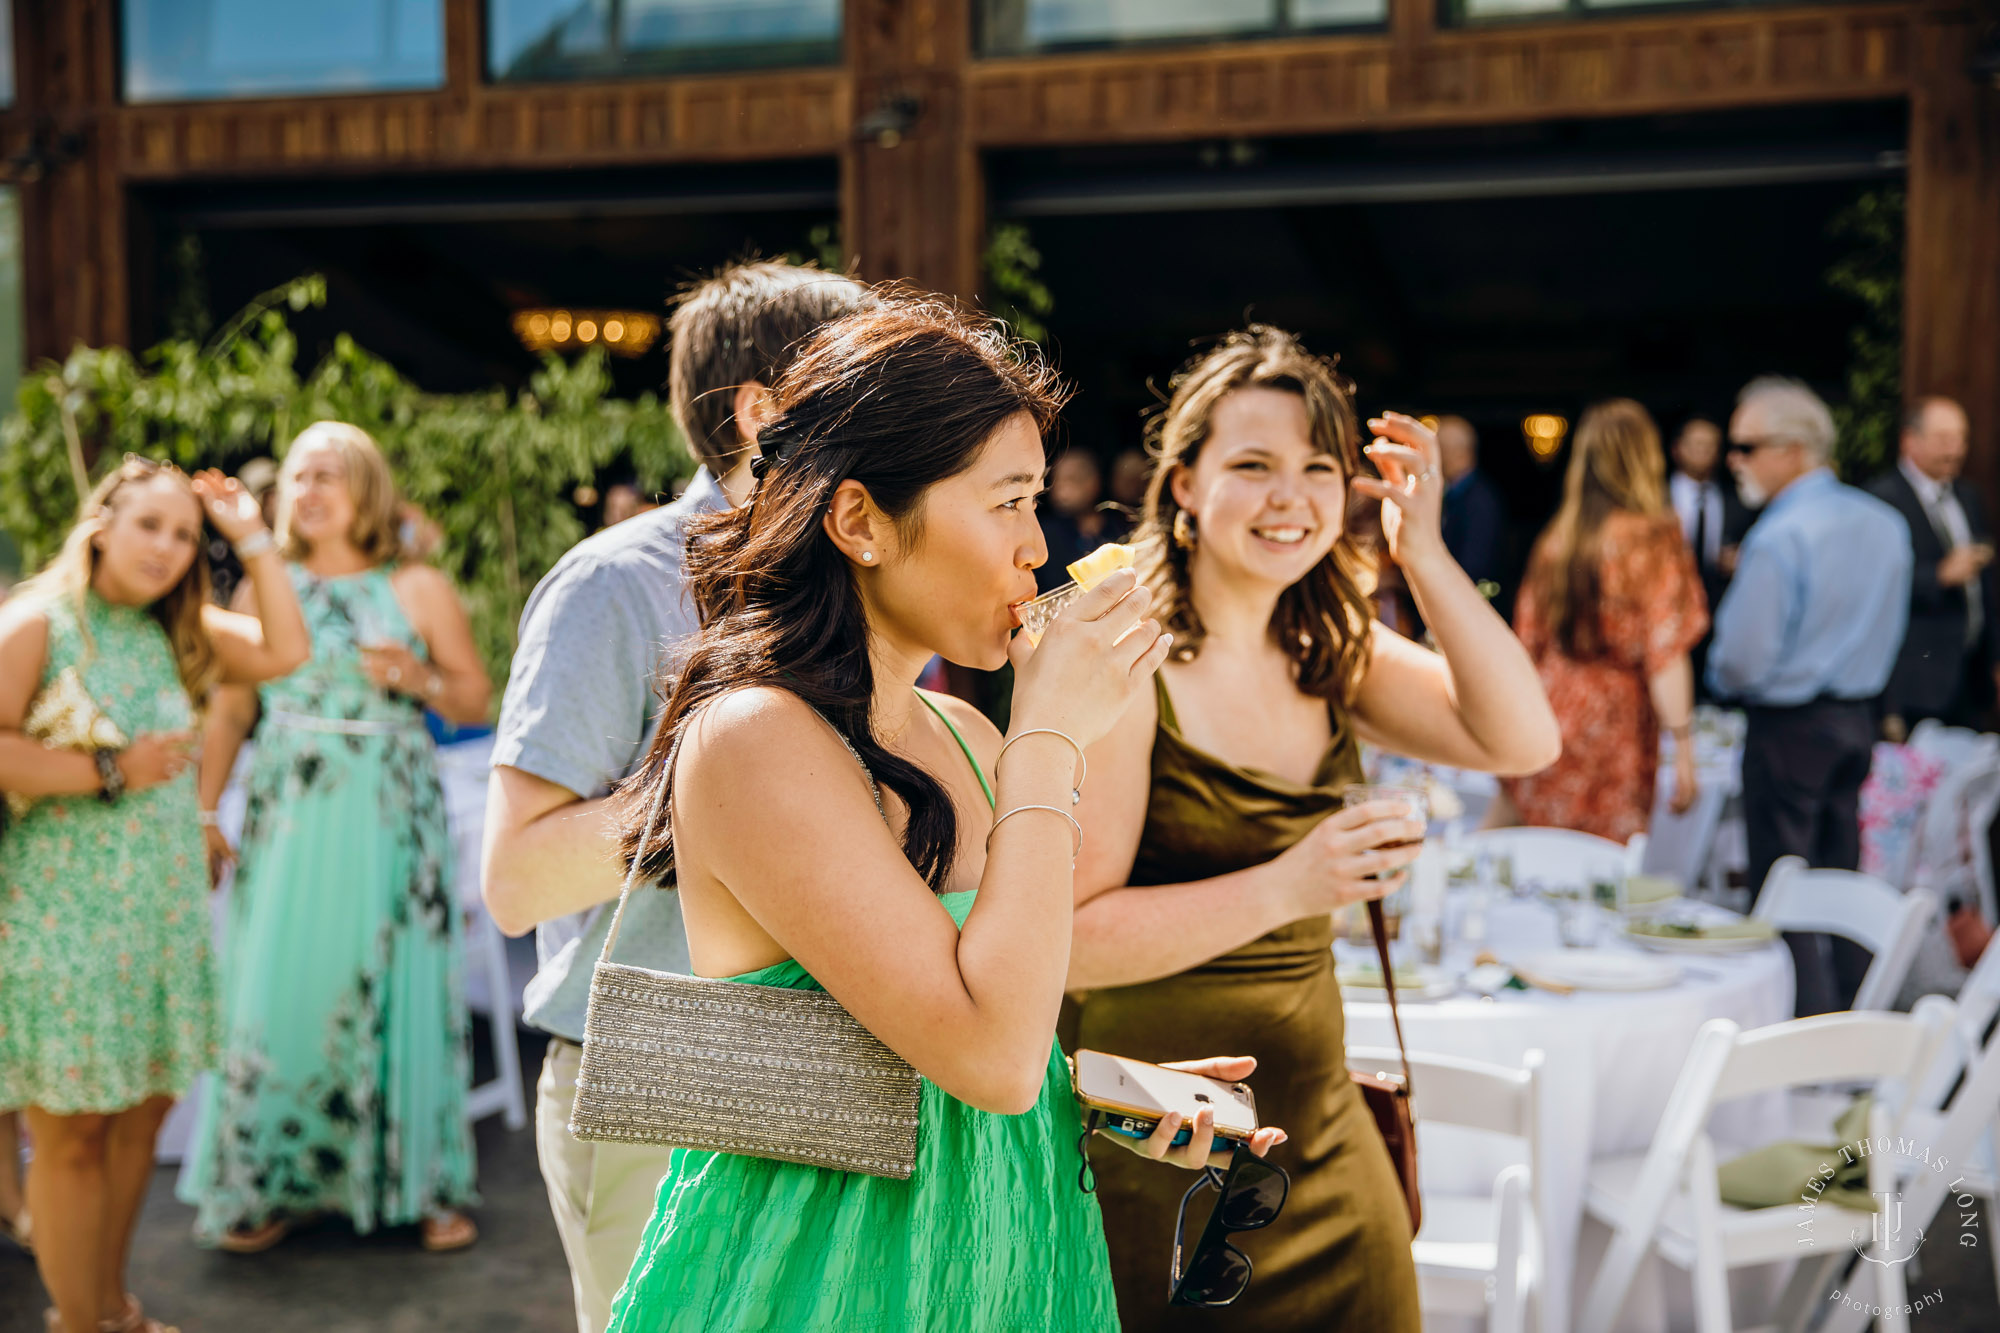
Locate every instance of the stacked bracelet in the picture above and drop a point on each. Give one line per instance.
(1052, 809)
(1082, 764)
(256, 544)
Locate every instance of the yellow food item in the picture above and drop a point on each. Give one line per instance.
(1100, 564)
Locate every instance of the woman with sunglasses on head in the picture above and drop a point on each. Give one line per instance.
(346, 1056)
(1215, 842)
(893, 520)
(107, 1008)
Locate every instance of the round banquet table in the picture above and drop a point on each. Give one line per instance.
(1610, 1061)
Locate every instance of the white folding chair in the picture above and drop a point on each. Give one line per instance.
(1682, 846)
(1890, 925)
(1669, 1201)
(1953, 745)
(1965, 1133)
(1556, 854)
(1478, 1254)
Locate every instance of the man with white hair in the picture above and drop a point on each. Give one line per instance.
(1805, 639)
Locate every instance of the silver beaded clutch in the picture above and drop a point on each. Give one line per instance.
(689, 1062)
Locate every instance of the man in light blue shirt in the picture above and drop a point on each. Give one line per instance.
(578, 718)
(1805, 639)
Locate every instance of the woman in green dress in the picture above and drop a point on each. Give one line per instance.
(107, 1006)
(893, 520)
(1215, 847)
(345, 1061)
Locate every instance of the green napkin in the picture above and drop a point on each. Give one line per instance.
(1747, 929)
(1786, 1172)
(1642, 890)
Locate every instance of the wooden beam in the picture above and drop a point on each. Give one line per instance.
(1415, 75)
(1951, 287)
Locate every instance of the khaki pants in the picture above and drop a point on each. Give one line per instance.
(601, 1193)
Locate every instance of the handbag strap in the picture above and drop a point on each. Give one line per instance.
(658, 807)
(1376, 924)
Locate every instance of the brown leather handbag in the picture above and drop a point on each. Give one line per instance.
(1387, 1094)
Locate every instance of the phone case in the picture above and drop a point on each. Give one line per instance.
(1135, 1096)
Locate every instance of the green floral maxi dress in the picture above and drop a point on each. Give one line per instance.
(107, 991)
(345, 1061)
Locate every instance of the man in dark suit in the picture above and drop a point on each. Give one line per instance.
(1946, 667)
(1713, 518)
(1474, 517)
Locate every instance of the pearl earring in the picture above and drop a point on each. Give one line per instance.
(867, 555)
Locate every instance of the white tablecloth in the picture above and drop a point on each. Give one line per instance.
(1611, 1059)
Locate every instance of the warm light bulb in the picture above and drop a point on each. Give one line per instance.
(538, 326)
(586, 330)
(614, 331)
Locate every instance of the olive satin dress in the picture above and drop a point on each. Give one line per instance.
(1338, 1257)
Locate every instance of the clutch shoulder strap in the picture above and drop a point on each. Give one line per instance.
(658, 809)
(1380, 928)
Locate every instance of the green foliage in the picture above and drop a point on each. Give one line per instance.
(494, 472)
(1871, 275)
(1013, 272)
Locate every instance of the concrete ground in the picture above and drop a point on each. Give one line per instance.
(327, 1280)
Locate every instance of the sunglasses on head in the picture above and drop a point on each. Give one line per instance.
(1215, 1272)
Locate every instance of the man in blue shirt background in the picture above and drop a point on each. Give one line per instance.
(1805, 639)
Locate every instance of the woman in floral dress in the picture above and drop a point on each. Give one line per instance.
(1609, 610)
(107, 1008)
(345, 1061)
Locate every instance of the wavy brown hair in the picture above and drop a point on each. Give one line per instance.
(1615, 465)
(1324, 621)
(899, 397)
(72, 572)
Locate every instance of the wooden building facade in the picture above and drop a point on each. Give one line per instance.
(912, 114)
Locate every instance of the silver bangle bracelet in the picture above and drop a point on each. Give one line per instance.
(256, 544)
(211, 819)
(1082, 764)
(1052, 809)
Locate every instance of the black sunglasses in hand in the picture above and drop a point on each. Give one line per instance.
(1215, 1273)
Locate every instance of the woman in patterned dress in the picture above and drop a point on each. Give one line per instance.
(107, 1008)
(1610, 608)
(345, 1059)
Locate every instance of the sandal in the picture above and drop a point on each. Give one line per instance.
(254, 1240)
(446, 1231)
(134, 1320)
(20, 1230)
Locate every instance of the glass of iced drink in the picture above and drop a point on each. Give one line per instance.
(1085, 574)
(1409, 797)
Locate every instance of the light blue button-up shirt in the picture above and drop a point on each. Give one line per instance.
(1820, 598)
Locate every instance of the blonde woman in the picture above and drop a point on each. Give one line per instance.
(345, 1063)
(106, 991)
(1611, 606)
(1215, 843)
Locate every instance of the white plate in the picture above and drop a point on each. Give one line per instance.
(1602, 969)
(1433, 983)
(1698, 944)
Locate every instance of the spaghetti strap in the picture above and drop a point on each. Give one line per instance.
(977, 772)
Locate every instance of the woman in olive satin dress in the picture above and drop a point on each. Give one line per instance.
(1215, 849)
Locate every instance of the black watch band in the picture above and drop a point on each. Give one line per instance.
(109, 775)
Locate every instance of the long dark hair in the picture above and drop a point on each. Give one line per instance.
(898, 397)
(1324, 621)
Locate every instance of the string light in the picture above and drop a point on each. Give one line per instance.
(620, 332)
(1544, 432)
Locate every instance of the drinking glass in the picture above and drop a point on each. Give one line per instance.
(1036, 616)
(1410, 797)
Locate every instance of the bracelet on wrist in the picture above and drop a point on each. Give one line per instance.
(1082, 764)
(257, 543)
(1077, 828)
(211, 819)
(110, 777)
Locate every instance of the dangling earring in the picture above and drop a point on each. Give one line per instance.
(867, 557)
(1184, 533)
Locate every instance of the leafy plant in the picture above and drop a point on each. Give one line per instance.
(1013, 271)
(494, 472)
(1871, 275)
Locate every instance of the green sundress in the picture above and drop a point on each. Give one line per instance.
(345, 1059)
(990, 1234)
(107, 990)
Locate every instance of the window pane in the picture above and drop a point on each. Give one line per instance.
(574, 39)
(1011, 27)
(1338, 13)
(7, 66)
(1488, 9)
(180, 49)
(12, 340)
